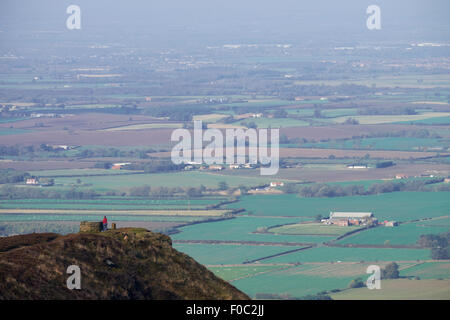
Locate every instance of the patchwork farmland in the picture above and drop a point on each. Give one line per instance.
(363, 132)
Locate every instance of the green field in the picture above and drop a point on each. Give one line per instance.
(312, 228)
(8, 120)
(381, 119)
(228, 253)
(7, 132)
(334, 254)
(400, 206)
(405, 81)
(78, 172)
(293, 281)
(263, 103)
(177, 179)
(236, 272)
(275, 122)
(401, 144)
(404, 234)
(325, 113)
(438, 222)
(428, 270)
(243, 229)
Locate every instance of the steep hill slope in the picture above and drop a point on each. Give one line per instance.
(141, 266)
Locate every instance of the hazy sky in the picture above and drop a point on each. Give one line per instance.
(229, 21)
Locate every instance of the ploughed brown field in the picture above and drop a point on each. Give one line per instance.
(88, 121)
(86, 129)
(325, 153)
(84, 137)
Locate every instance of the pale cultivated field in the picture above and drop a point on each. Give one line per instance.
(144, 126)
(393, 118)
(400, 289)
(118, 212)
(210, 117)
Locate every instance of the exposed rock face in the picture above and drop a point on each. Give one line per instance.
(116, 264)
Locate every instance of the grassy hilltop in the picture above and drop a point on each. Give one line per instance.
(143, 266)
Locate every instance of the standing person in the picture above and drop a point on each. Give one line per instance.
(105, 223)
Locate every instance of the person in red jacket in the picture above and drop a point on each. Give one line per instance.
(105, 223)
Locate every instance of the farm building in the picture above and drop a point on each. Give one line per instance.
(390, 223)
(350, 215)
(118, 166)
(32, 181)
(61, 147)
(357, 166)
(342, 223)
(350, 218)
(215, 167)
(276, 184)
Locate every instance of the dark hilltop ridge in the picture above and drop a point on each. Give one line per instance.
(141, 265)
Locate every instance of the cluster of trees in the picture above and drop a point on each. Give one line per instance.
(420, 133)
(182, 113)
(387, 111)
(223, 186)
(114, 153)
(328, 191)
(12, 176)
(190, 192)
(385, 164)
(16, 150)
(325, 90)
(12, 192)
(390, 271)
(356, 283)
(351, 121)
(156, 165)
(165, 192)
(280, 113)
(439, 244)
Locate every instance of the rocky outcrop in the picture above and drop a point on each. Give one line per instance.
(116, 264)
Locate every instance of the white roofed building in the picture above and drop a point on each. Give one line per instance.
(350, 215)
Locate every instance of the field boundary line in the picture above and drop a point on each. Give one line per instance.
(278, 254)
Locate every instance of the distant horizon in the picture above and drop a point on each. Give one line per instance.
(200, 22)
